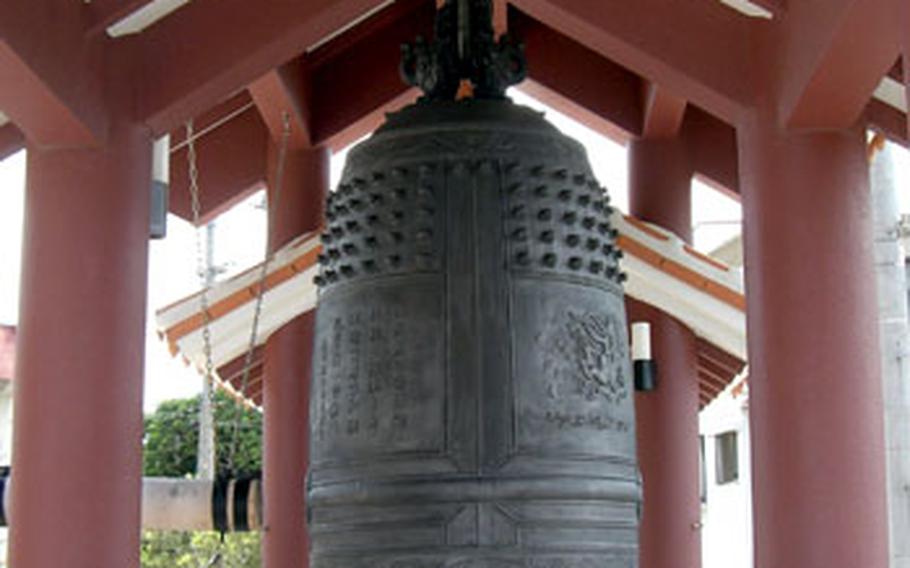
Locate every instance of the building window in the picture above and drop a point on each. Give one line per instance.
(726, 458)
(702, 477)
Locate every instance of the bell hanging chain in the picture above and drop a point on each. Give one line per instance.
(201, 265)
(193, 171)
(201, 270)
(263, 275)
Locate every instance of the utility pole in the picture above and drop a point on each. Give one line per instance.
(891, 275)
(205, 456)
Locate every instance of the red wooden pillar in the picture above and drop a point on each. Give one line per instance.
(288, 354)
(77, 449)
(815, 392)
(667, 418)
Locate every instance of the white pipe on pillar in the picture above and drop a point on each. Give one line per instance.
(891, 276)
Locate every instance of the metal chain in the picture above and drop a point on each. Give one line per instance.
(218, 558)
(263, 275)
(202, 272)
(201, 268)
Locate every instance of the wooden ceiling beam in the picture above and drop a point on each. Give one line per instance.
(211, 48)
(231, 159)
(369, 27)
(887, 120)
(101, 14)
(593, 89)
(776, 7)
(355, 81)
(11, 140)
(713, 147)
(214, 117)
(358, 82)
(662, 112)
(608, 99)
(719, 375)
(582, 114)
(828, 58)
(709, 384)
(709, 351)
(702, 51)
(235, 366)
(252, 380)
(897, 71)
(285, 92)
(340, 138)
(51, 74)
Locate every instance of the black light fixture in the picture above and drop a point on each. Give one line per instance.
(644, 367)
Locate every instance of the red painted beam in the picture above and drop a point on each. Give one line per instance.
(579, 113)
(51, 76)
(213, 117)
(713, 147)
(829, 59)
(101, 14)
(701, 51)
(887, 120)
(358, 75)
(253, 381)
(368, 123)
(366, 29)
(721, 376)
(709, 384)
(710, 352)
(285, 92)
(897, 70)
(211, 48)
(776, 7)
(231, 159)
(230, 371)
(662, 112)
(608, 99)
(592, 82)
(11, 140)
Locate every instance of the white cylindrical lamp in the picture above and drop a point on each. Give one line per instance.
(643, 365)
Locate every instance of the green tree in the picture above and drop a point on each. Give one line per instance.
(172, 437)
(170, 443)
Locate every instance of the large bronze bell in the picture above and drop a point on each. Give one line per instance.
(472, 393)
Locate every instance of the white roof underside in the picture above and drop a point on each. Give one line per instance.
(688, 300)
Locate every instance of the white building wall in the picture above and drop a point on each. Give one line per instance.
(6, 446)
(6, 422)
(726, 508)
(891, 280)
